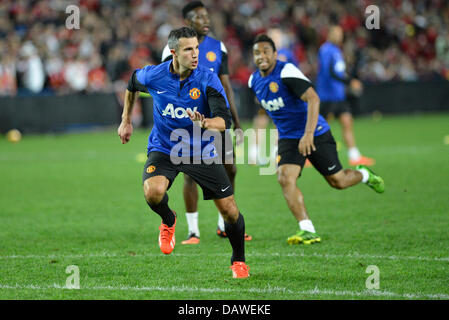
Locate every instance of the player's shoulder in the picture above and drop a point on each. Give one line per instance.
(203, 70)
(253, 78)
(328, 48)
(211, 40)
(216, 43)
(289, 70)
(158, 68)
(204, 73)
(153, 71)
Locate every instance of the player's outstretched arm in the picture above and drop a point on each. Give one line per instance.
(306, 145)
(125, 130)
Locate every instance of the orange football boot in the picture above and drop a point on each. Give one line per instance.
(362, 161)
(167, 238)
(239, 270)
(191, 239)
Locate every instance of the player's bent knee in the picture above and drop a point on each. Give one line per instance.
(286, 181)
(336, 183)
(228, 209)
(154, 193)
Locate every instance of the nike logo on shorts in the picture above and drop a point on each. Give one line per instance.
(331, 168)
(159, 92)
(223, 190)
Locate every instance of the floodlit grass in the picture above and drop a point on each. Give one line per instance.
(77, 200)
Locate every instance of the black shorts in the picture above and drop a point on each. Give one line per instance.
(212, 178)
(334, 107)
(324, 158)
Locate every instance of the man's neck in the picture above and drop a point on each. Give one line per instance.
(201, 38)
(183, 72)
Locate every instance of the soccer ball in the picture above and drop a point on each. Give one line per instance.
(13, 135)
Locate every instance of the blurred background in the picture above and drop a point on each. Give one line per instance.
(53, 79)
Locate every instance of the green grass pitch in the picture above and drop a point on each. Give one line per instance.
(76, 199)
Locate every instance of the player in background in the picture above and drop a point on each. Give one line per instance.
(213, 55)
(292, 103)
(184, 96)
(330, 85)
(260, 121)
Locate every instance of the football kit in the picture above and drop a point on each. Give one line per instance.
(214, 56)
(331, 80)
(279, 93)
(173, 136)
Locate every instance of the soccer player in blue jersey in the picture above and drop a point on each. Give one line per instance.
(213, 55)
(260, 121)
(331, 85)
(292, 103)
(185, 95)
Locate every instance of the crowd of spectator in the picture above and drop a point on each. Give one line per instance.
(40, 55)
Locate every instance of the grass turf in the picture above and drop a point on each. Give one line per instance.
(77, 200)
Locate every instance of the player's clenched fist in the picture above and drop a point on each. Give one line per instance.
(125, 130)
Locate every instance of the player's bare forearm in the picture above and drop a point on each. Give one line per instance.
(313, 110)
(216, 123)
(306, 144)
(130, 98)
(125, 130)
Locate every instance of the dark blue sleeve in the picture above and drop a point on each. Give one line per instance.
(134, 85)
(144, 75)
(215, 83)
(216, 98)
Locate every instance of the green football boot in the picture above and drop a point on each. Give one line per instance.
(305, 237)
(374, 181)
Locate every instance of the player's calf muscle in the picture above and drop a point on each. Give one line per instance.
(228, 209)
(344, 179)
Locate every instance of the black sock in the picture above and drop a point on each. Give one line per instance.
(162, 209)
(236, 235)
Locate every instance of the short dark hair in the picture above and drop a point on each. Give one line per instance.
(264, 38)
(176, 34)
(191, 6)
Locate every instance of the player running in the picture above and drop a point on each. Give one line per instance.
(331, 82)
(184, 92)
(293, 105)
(213, 55)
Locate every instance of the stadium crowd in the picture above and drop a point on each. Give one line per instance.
(39, 55)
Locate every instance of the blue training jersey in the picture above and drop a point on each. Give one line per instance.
(212, 55)
(329, 88)
(288, 112)
(171, 99)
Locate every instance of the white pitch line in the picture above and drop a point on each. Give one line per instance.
(266, 290)
(293, 254)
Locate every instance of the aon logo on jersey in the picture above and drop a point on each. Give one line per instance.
(178, 112)
(273, 105)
